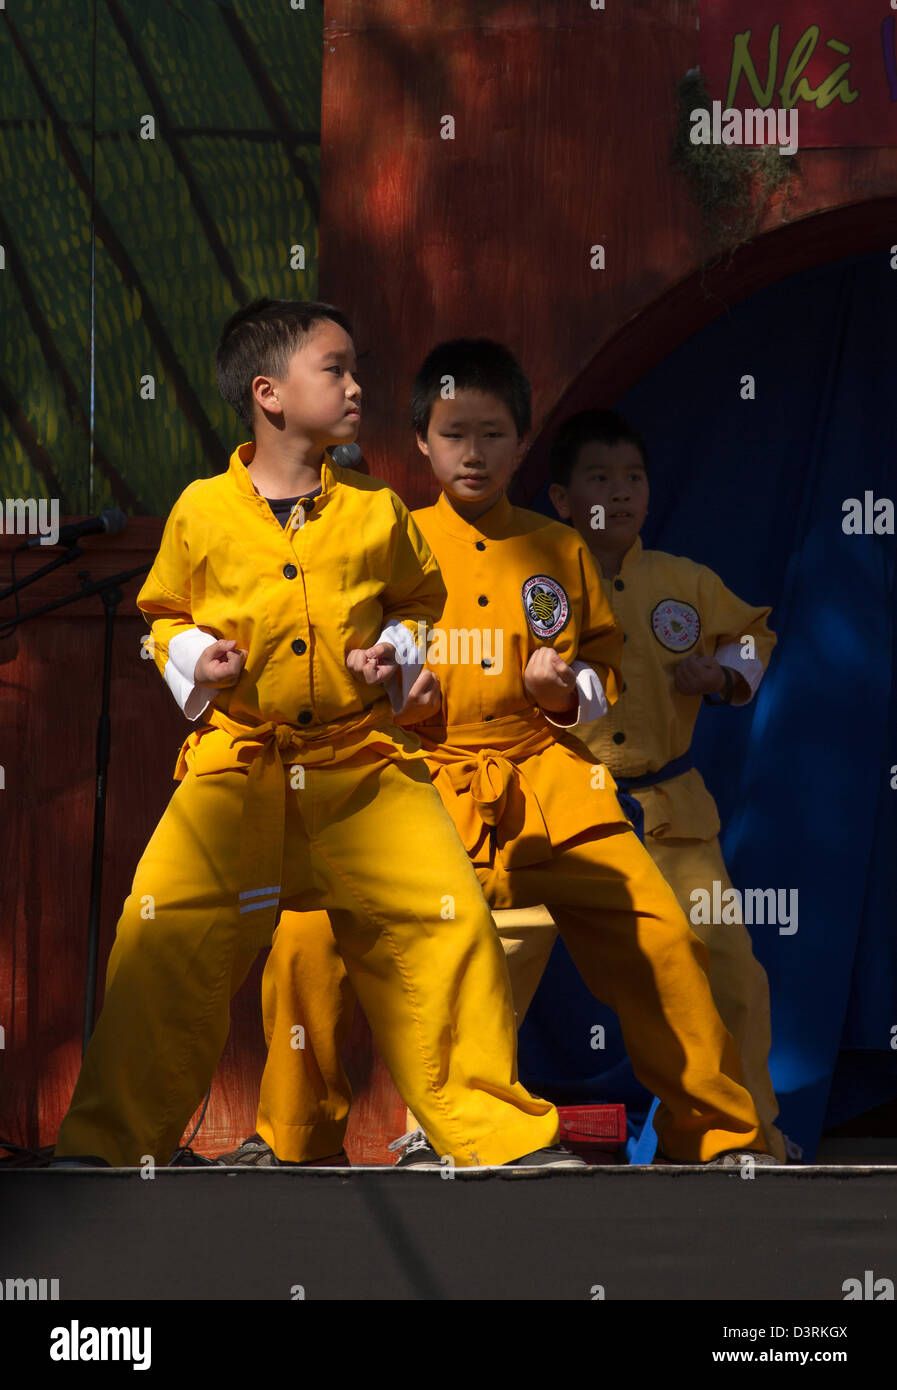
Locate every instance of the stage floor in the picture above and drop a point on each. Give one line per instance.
(662, 1233)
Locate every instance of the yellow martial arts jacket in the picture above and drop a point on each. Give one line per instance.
(297, 599)
(350, 569)
(516, 581)
(670, 607)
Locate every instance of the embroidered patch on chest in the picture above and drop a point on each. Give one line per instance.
(676, 625)
(546, 605)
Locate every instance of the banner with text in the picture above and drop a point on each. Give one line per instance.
(834, 63)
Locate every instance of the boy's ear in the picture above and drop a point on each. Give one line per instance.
(518, 454)
(423, 445)
(558, 494)
(265, 395)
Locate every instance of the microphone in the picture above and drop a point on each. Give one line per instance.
(109, 523)
(346, 455)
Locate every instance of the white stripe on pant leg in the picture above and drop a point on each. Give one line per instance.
(257, 892)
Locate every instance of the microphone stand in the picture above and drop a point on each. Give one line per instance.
(73, 553)
(111, 595)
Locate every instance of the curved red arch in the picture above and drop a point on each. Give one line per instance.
(700, 298)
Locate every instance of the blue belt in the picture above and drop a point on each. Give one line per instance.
(627, 785)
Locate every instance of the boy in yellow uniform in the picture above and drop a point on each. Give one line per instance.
(298, 788)
(687, 637)
(527, 647)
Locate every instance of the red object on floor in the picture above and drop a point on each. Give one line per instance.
(594, 1132)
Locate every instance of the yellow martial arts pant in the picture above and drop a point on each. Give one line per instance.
(308, 1005)
(370, 838)
(738, 981)
(635, 951)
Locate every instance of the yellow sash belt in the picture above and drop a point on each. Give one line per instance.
(262, 751)
(476, 768)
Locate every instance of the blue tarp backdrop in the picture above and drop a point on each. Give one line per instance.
(755, 489)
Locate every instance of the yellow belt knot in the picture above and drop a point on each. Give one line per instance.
(271, 735)
(262, 827)
(493, 777)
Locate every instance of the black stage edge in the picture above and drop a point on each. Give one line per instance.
(599, 1234)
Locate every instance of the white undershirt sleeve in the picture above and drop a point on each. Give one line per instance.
(410, 659)
(184, 650)
(590, 692)
(752, 669)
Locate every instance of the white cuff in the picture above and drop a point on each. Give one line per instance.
(751, 668)
(410, 661)
(592, 699)
(184, 650)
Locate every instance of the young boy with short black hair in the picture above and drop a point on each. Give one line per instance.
(538, 825)
(687, 637)
(299, 790)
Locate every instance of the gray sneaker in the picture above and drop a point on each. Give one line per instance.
(732, 1158)
(252, 1153)
(416, 1151)
(255, 1153)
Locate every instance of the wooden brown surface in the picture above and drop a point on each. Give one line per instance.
(51, 670)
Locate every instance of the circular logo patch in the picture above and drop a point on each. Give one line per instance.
(676, 625)
(547, 606)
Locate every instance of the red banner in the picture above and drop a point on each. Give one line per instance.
(834, 63)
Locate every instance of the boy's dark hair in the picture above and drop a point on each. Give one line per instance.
(474, 364)
(259, 340)
(590, 427)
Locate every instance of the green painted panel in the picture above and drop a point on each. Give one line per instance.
(190, 149)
